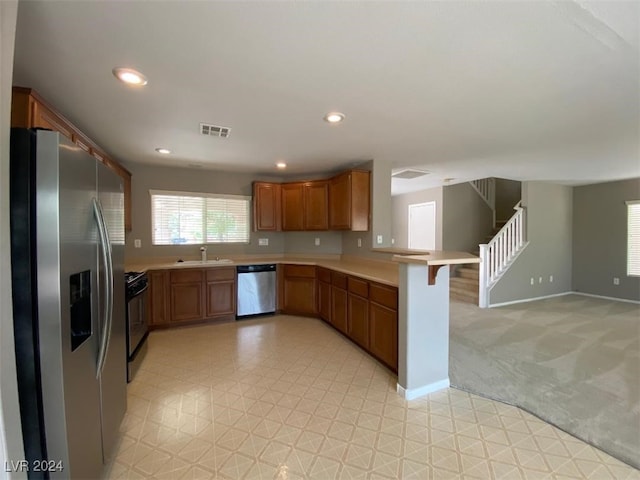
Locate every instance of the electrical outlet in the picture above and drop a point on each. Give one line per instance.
(379, 239)
(616, 281)
(263, 242)
(539, 279)
(317, 241)
(550, 278)
(359, 242)
(137, 243)
(533, 280)
(393, 241)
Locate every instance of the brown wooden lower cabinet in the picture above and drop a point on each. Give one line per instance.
(298, 289)
(186, 302)
(221, 292)
(157, 308)
(339, 308)
(324, 301)
(383, 334)
(191, 295)
(358, 320)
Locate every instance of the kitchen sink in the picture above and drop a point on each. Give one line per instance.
(205, 262)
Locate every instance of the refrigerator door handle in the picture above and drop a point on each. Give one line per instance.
(107, 259)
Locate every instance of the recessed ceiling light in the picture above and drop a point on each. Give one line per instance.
(130, 76)
(164, 151)
(334, 117)
(281, 165)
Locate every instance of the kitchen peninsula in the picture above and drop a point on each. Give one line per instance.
(396, 309)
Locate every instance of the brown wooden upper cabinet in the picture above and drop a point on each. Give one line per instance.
(292, 206)
(340, 203)
(266, 206)
(349, 199)
(30, 110)
(316, 205)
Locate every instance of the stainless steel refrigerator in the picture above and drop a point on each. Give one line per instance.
(67, 255)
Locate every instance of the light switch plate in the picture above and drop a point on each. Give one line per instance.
(263, 242)
(137, 243)
(317, 241)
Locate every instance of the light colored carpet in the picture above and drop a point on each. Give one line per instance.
(573, 361)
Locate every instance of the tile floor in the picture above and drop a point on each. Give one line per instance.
(287, 398)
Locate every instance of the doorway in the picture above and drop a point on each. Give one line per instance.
(422, 226)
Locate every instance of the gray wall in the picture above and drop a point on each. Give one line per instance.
(600, 239)
(147, 178)
(549, 210)
(508, 193)
(466, 218)
(400, 214)
(10, 428)
(380, 202)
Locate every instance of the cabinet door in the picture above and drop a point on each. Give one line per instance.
(292, 206)
(339, 308)
(340, 202)
(299, 295)
(186, 302)
(324, 301)
(221, 299)
(158, 313)
(358, 320)
(383, 334)
(316, 205)
(266, 206)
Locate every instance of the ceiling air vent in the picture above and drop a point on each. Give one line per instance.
(214, 130)
(409, 173)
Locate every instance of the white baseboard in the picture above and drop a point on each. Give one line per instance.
(525, 300)
(413, 393)
(607, 298)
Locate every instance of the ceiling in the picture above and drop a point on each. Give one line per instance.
(521, 90)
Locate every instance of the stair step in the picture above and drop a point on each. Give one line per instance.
(472, 273)
(462, 282)
(463, 296)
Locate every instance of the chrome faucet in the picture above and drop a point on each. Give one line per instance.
(203, 253)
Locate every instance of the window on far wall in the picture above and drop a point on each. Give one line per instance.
(187, 218)
(633, 238)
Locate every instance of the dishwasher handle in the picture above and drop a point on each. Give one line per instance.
(256, 268)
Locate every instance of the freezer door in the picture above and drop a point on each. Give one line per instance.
(113, 379)
(68, 293)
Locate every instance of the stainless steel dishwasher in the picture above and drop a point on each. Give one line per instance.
(256, 290)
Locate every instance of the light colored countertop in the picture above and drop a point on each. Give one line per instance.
(380, 271)
(437, 257)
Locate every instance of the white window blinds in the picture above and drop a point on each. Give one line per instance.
(633, 238)
(195, 218)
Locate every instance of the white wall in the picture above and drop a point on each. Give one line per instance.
(10, 428)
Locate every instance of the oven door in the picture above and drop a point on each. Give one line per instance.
(136, 321)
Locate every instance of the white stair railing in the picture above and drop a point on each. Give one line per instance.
(497, 255)
(486, 188)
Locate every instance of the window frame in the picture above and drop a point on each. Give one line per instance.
(203, 224)
(633, 238)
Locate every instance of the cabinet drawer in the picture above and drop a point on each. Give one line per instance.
(384, 295)
(305, 271)
(220, 273)
(358, 286)
(324, 275)
(339, 280)
(186, 276)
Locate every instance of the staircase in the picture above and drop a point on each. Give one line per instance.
(464, 280)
